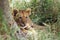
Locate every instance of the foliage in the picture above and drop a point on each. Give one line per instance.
(46, 11)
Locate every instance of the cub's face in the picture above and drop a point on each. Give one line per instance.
(22, 16)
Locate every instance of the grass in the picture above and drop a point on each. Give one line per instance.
(41, 35)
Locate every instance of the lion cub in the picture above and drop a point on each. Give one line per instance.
(22, 19)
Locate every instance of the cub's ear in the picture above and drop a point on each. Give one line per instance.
(28, 10)
(15, 11)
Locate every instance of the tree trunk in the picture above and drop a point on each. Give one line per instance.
(4, 5)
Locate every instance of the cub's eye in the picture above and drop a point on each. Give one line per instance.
(26, 17)
(20, 17)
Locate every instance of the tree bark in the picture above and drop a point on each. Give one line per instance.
(4, 5)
